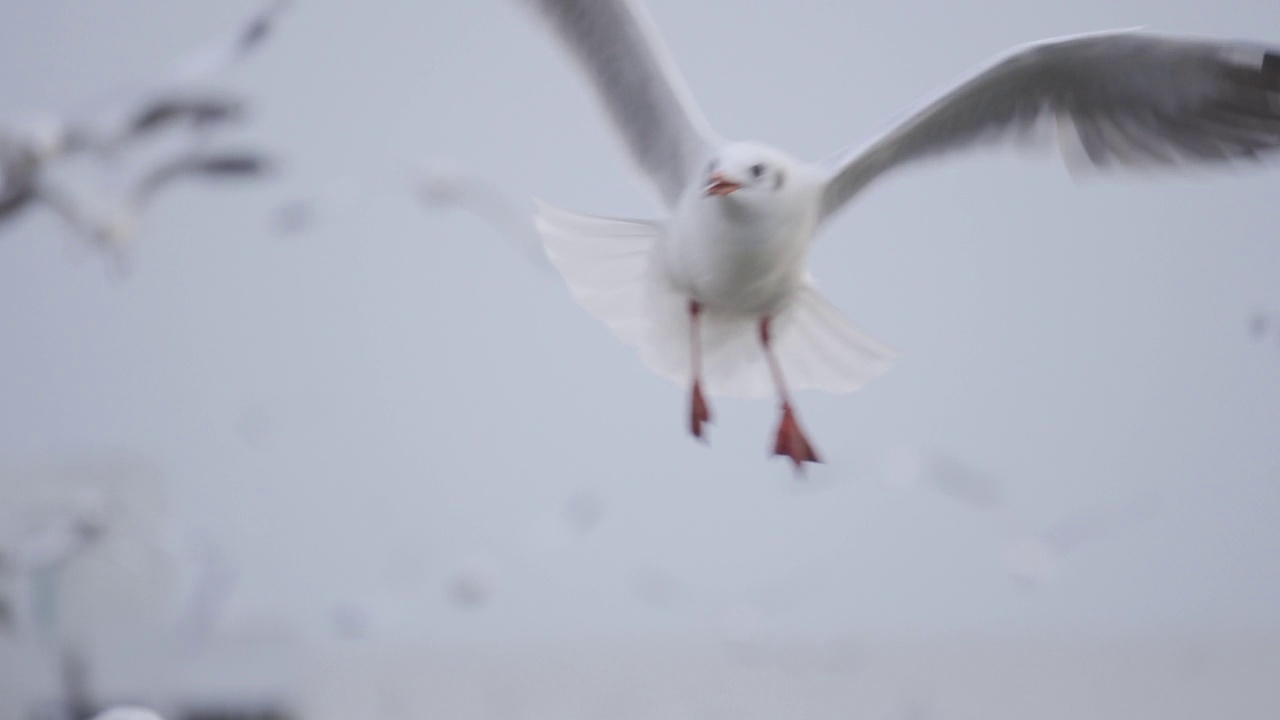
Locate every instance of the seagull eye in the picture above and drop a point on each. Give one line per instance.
(757, 170)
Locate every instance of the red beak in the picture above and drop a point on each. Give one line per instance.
(720, 185)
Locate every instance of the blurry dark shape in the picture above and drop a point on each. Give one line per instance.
(904, 467)
(222, 164)
(350, 621)
(327, 200)
(7, 620)
(25, 153)
(198, 111)
(445, 188)
(1259, 324)
(76, 688)
(583, 511)
(15, 201)
(238, 712)
(657, 587)
(472, 585)
(963, 483)
(294, 216)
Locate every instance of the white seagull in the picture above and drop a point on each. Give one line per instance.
(726, 267)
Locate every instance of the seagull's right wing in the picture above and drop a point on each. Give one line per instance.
(614, 45)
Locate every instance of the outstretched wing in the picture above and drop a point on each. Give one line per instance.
(219, 164)
(1119, 99)
(614, 45)
(232, 47)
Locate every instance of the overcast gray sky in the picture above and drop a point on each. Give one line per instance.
(428, 396)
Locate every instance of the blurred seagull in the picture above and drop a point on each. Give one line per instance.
(1031, 556)
(716, 293)
(114, 226)
(102, 128)
(235, 46)
(49, 535)
(180, 98)
(445, 188)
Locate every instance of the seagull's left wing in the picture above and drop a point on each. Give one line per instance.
(1122, 98)
(225, 164)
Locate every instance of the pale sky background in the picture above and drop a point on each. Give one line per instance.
(428, 396)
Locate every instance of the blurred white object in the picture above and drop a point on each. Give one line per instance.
(446, 188)
(83, 544)
(127, 712)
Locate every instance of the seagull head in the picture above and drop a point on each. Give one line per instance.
(747, 170)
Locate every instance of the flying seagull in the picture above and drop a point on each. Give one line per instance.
(115, 226)
(716, 293)
(179, 96)
(104, 126)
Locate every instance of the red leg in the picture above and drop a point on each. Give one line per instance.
(791, 440)
(699, 411)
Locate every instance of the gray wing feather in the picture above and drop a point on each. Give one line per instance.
(1120, 99)
(219, 164)
(615, 46)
